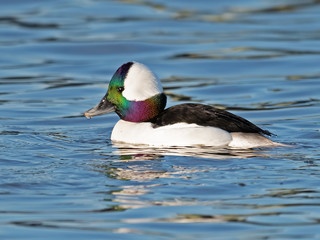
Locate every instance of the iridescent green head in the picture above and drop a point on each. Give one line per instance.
(134, 93)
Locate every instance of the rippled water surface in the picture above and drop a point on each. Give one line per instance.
(62, 178)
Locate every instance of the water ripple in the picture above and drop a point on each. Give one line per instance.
(62, 176)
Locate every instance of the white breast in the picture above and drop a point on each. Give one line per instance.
(180, 134)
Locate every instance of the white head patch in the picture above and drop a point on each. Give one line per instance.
(140, 83)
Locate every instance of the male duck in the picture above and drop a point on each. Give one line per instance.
(136, 95)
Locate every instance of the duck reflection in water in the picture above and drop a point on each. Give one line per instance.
(143, 152)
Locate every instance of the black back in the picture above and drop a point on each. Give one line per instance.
(205, 115)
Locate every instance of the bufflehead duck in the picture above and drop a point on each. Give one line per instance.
(136, 95)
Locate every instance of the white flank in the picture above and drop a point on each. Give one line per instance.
(180, 134)
(183, 134)
(251, 140)
(140, 83)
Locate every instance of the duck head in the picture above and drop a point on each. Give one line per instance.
(134, 93)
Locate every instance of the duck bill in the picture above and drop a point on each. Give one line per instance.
(103, 107)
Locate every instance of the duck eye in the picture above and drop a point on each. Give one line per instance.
(120, 89)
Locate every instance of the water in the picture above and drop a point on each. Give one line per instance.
(62, 178)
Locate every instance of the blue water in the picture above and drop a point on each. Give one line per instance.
(62, 178)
